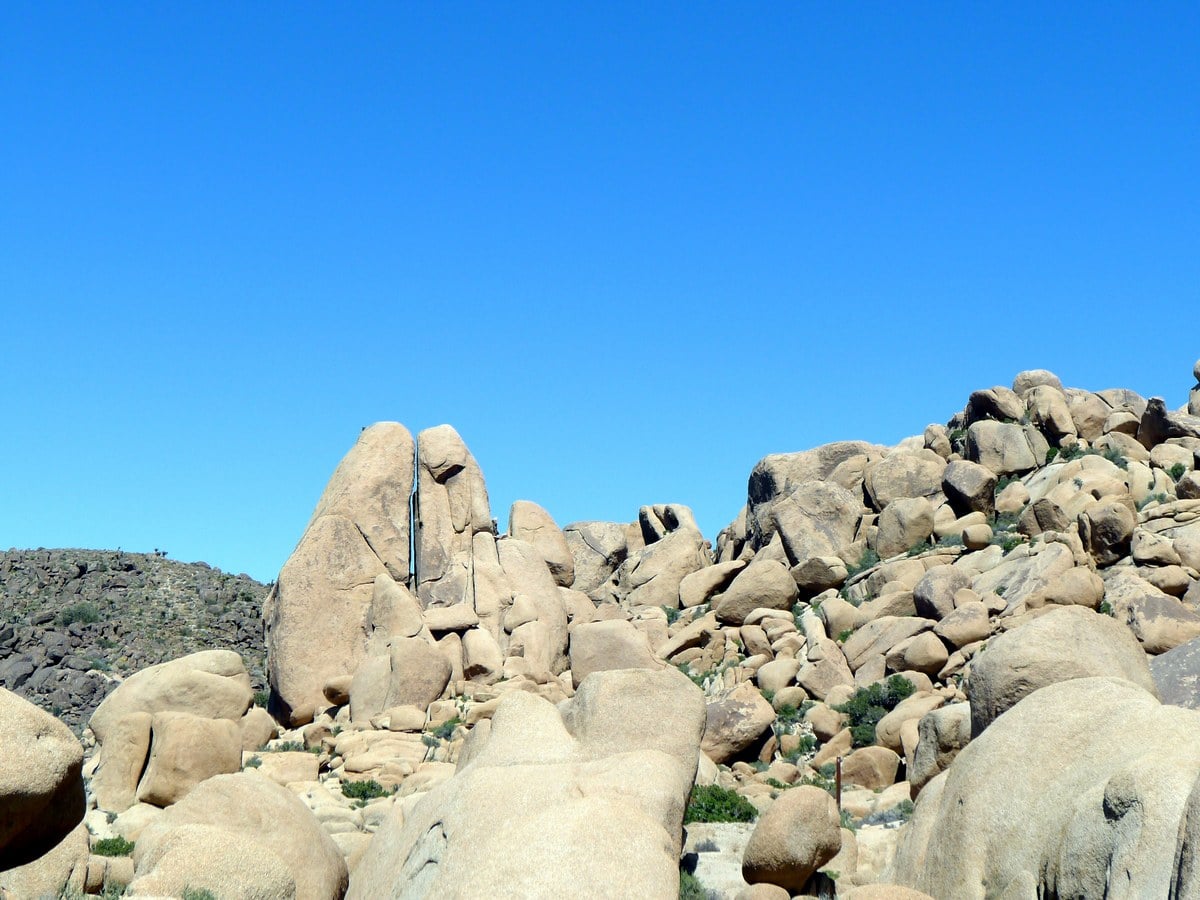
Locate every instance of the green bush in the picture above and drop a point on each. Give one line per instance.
(445, 731)
(191, 893)
(1177, 471)
(363, 790)
(868, 559)
(690, 887)
(713, 803)
(112, 846)
(84, 613)
(870, 704)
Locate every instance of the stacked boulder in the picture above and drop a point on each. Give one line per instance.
(976, 619)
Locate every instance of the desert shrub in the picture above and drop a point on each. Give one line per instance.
(262, 698)
(1177, 471)
(252, 763)
(1114, 456)
(191, 893)
(870, 704)
(445, 731)
(84, 613)
(112, 846)
(847, 820)
(363, 790)
(690, 887)
(713, 803)
(901, 812)
(866, 561)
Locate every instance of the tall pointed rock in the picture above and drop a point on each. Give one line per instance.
(315, 616)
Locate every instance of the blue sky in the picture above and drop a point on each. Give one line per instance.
(626, 249)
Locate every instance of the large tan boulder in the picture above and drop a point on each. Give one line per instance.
(414, 672)
(764, 584)
(184, 751)
(1159, 621)
(970, 487)
(212, 683)
(734, 722)
(651, 576)
(55, 868)
(41, 788)
(777, 476)
(314, 615)
(1106, 529)
(531, 523)
(904, 474)
(942, 734)
(1065, 643)
(817, 518)
(194, 843)
(597, 550)
(372, 487)
(798, 834)
(906, 522)
(1080, 790)
(1001, 448)
(613, 644)
(586, 799)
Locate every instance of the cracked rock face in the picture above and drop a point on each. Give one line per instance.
(588, 796)
(315, 616)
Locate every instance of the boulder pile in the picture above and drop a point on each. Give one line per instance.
(961, 666)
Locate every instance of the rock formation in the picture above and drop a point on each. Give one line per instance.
(981, 619)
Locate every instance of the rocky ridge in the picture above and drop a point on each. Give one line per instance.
(74, 622)
(895, 658)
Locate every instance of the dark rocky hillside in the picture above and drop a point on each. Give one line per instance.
(74, 622)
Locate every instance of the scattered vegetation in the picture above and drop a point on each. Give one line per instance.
(845, 635)
(1152, 498)
(445, 731)
(870, 704)
(1106, 608)
(262, 698)
(191, 893)
(252, 763)
(364, 790)
(848, 821)
(1177, 471)
(84, 613)
(868, 559)
(713, 803)
(901, 812)
(690, 887)
(112, 846)
(672, 614)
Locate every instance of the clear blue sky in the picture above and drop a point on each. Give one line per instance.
(626, 249)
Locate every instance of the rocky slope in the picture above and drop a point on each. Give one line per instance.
(72, 621)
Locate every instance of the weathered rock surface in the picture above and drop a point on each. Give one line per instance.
(795, 837)
(41, 788)
(1051, 801)
(590, 796)
(1066, 643)
(196, 842)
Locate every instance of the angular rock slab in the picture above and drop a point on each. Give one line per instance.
(586, 799)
